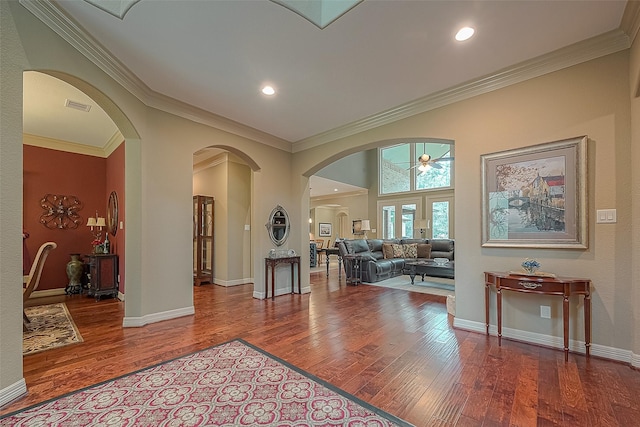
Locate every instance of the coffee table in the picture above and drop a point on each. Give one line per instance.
(427, 267)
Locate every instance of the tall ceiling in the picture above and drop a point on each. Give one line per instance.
(378, 60)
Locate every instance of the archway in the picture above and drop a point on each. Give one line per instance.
(90, 138)
(312, 163)
(226, 174)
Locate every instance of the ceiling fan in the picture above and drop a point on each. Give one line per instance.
(426, 162)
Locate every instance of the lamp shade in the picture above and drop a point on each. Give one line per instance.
(366, 226)
(100, 222)
(91, 222)
(420, 224)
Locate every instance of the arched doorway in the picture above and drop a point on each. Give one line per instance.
(227, 177)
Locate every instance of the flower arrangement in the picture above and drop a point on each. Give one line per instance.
(97, 246)
(530, 265)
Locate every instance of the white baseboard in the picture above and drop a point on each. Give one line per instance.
(235, 282)
(48, 293)
(635, 360)
(60, 291)
(605, 352)
(136, 322)
(13, 392)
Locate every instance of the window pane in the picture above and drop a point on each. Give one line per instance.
(408, 216)
(438, 171)
(440, 220)
(394, 171)
(388, 222)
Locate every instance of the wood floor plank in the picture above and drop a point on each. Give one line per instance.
(397, 350)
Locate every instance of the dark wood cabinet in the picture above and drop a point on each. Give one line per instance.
(203, 243)
(102, 275)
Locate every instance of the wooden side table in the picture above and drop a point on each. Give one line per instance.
(103, 274)
(273, 262)
(563, 286)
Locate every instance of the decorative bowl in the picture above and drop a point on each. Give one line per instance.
(441, 261)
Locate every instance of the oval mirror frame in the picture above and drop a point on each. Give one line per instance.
(112, 213)
(278, 225)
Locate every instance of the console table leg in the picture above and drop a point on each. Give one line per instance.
(292, 285)
(565, 325)
(273, 282)
(499, 298)
(587, 322)
(486, 306)
(327, 264)
(413, 276)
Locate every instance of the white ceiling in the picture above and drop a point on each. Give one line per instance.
(381, 57)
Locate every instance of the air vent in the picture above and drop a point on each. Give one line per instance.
(77, 105)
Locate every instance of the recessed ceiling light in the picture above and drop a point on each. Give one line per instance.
(464, 34)
(335, 189)
(268, 90)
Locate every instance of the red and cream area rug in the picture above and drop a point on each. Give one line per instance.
(232, 384)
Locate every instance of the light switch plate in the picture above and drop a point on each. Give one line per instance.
(606, 216)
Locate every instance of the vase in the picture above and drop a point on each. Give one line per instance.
(75, 268)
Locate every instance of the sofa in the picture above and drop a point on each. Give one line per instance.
(383, 259)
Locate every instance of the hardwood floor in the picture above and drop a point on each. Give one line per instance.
(394, 349)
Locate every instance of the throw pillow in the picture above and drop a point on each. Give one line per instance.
(387, 250)
(411, 250)
(424, 250)
(398, 251)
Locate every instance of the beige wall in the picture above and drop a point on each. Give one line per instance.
(588, 99)
(158, 180)
(634, 91)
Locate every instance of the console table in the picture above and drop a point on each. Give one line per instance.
(333, 251)
(273, 262)
(563, 286)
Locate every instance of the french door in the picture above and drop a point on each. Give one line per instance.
(439, 217)
(397, 217)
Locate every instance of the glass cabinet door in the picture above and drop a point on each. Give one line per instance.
(203, 239)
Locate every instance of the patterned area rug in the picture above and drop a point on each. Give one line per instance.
(51, 326)
(232, 384)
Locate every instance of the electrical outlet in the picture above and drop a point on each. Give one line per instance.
(545, 312)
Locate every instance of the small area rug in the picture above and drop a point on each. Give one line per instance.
(431, 285)
(232, 384)
(51, 326)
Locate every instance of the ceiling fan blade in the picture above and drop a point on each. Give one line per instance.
(435, 165)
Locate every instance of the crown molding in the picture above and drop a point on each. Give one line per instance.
(56, 19)
(613, 41)
(60, 145)
(595, 47)
(212, 162)
(345, 195)
(630, 23)
(114, 142)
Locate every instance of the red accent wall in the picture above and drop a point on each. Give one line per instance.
(115, 182)
(62, 173)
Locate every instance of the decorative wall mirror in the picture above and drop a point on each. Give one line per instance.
(112, 214)
(278, 225)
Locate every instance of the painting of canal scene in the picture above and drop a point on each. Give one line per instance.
(535, 196)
